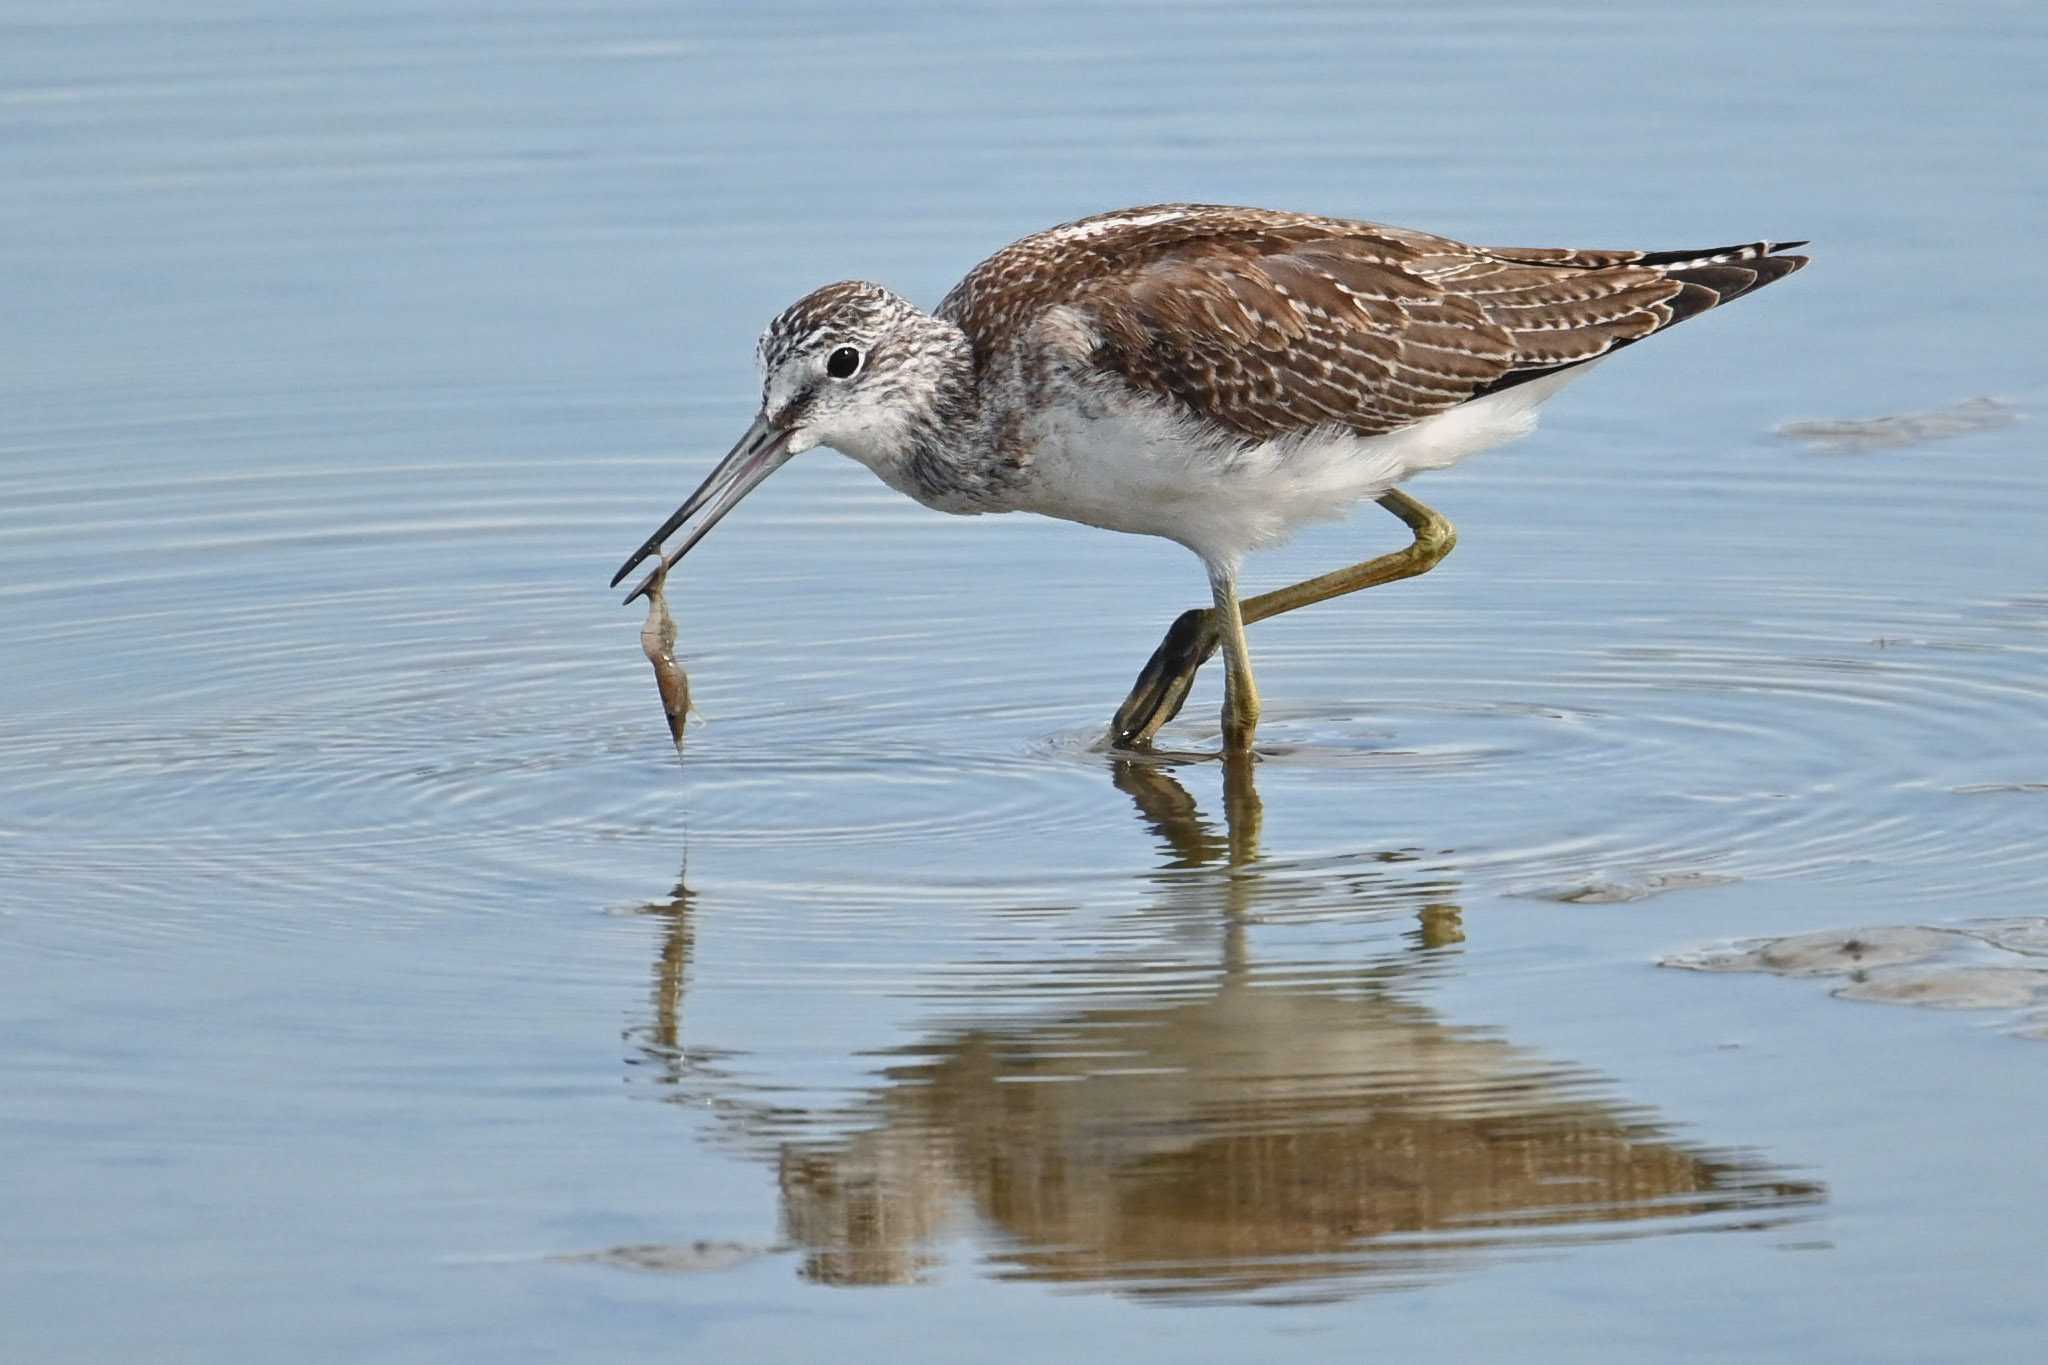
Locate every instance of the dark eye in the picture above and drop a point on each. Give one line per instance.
(842, 363)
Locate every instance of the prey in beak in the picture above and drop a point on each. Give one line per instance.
(762, 451)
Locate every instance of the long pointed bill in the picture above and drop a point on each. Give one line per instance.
(760, 452)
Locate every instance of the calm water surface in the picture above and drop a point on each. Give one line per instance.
(375, 984)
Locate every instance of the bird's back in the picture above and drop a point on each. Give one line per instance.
(1265, 324)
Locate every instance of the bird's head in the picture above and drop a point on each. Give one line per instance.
(851, 366)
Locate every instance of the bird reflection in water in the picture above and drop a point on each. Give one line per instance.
(1290, 1133)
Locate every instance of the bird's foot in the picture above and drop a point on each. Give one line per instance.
(1162, 687)
(1238, 729)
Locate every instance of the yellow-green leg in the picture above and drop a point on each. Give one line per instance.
(1240, 693)
(1195, 635)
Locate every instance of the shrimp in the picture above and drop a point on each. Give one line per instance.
(658, 642)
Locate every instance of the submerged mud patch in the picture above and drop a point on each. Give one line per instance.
(1857, 434)
(1602, 891)
(1980, 964)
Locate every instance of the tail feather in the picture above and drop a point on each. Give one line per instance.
(1709, 278)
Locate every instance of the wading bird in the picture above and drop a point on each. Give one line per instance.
(1217, 376)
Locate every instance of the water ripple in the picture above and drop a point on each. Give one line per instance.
(410, 668)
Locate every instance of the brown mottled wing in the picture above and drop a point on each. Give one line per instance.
(1363, 331)
(1268, 323)
(1332, 332)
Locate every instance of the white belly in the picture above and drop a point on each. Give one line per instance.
(1136, 467)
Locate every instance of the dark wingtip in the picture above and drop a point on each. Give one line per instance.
(1741, 253)
(1702, 286)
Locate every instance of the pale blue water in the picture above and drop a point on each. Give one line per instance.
(364, 951)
